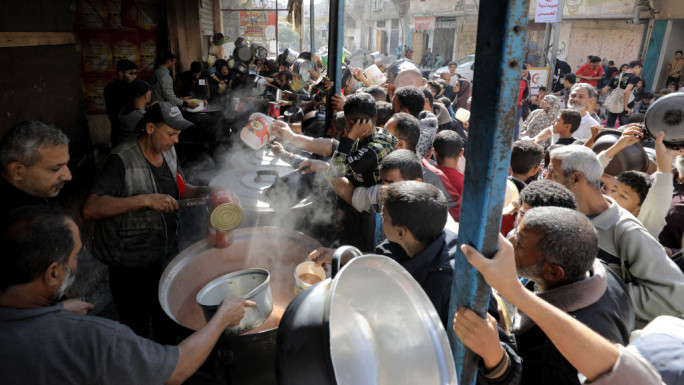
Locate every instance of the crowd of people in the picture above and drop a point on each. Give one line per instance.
(585, 258)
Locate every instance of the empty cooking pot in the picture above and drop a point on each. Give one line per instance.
(370, 323)
(667, 115)
(376, 58)
(259, 52)
(288, 57)
(302, 67)
(250, 284)
(243, 53)
(631, 158)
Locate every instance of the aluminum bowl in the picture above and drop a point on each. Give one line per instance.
(250, 284)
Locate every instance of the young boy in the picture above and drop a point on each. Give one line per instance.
(567, 122)
(632, 188)
(448, 146)
(360, 152)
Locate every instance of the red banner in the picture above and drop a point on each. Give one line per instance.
(425, 23)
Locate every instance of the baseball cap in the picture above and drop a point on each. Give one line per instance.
(167, 113)
(138, 88)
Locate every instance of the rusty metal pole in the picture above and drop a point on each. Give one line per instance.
(335, 42)
(501, 30)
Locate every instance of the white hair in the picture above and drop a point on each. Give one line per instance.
(408, 77)
(576, 158)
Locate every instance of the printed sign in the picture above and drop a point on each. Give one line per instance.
(539, 77)
(425, 23)
(255, 23)
(547, 11)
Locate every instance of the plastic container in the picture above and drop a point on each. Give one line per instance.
(257, 132)
(307, 274)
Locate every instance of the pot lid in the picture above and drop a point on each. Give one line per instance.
(249, 185)
(394, 336)
(274, 249)
(262, 159)
(667, 114)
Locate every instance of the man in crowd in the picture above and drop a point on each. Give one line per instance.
(140, 95)
(193, 83)
(135, 205)
(675, 69)
(671, 236)
(526, 157)
(43, 344)
(555, 248)
(654, 281)
(449, 148)
(34, 158)
(562, 68)
(582, 97)
(590, 72)
(162, 81)
(116, 92)
(599, 360)
(566, 124)
(414, 215)
(359, 154)
(626, 81)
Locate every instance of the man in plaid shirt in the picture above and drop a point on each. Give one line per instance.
(359, 154)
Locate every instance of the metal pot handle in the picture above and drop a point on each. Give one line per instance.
(261, 173)
(337, 256)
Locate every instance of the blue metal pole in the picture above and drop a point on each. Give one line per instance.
(501, 29)
(335, 43)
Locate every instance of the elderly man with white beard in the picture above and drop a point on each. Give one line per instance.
(581, 95)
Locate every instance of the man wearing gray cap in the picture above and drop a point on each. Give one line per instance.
(135, 205)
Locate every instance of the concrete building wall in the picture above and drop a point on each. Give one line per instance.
(610, 39)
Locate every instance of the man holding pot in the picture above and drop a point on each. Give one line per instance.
(40, 257)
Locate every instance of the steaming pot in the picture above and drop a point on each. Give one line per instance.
(248, 358)
(250, 184)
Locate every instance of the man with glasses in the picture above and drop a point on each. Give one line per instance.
(116, 92)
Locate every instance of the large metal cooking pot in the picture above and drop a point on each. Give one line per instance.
(288, 57)
(249, 358)
(249, 185)
(262, 159)
(667, 115)
(277, 250)
(302, 67)
(251, 284)
(371, 323)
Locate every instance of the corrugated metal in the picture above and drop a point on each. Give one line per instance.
(207, 17)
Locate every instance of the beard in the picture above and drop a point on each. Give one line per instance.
(533, 272)
(575, 107)
(66, 283)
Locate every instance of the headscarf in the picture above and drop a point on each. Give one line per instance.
(541, 118)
